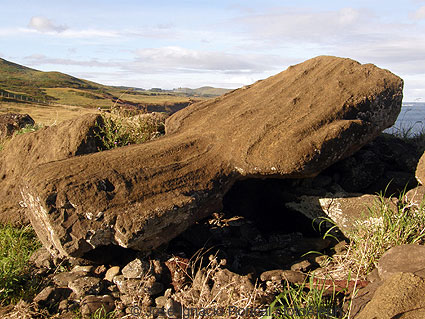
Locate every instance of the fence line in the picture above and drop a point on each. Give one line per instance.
(21, 97)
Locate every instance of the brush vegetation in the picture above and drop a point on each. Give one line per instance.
(120, 128)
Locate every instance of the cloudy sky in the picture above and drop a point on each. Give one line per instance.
(172, 44)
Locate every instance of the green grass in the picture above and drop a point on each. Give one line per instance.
(385, 226)
(98, 314)
(16, 247)
(306, 301)
(18, 78)
(28, 129)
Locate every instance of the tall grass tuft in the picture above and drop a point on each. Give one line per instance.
(120, 128)
(16, 247)
(308, 300)
(386, 224)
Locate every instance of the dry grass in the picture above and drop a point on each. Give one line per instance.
(45, 115)
(154, 99)
(204, 292)
(72, 96)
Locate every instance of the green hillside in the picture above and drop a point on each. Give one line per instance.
(64, 89)
(20, 79)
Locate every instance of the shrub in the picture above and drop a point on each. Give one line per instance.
(120, 128)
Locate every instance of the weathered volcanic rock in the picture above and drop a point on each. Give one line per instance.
(403, 258)
(348, 211)
(293, 124)
(11, 122)
(420, 170)
(400, 296)
(26, 151)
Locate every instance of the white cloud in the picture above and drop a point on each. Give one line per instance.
(178, 59)
(305, 25)
(42, 24)
(41, 59)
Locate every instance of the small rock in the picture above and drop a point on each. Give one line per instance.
(321, 260)
(86, 286)
(303, 266)
(91, 304)
(272, 275)
(118, 280)
(112, 272)
(128, 286)
(86, 269)
(294, 277)
(136, 269)
(41, 258)
(64, 278)
(51, 295)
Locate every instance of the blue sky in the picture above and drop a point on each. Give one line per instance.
(172, 44)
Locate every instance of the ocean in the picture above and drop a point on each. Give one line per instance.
(411, 117)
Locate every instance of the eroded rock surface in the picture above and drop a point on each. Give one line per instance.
(400, 296)
(25, 152)
(294, 124)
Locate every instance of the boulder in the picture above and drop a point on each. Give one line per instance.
(399, 296)
(350, 211)
(291, 125)
(26, 151)
(403, 258)
(11, 122)
(346, 210)
(416, 196)
(420, 170)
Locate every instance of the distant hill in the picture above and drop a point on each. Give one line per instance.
(206, 91)
(65, 89)
(21, 79)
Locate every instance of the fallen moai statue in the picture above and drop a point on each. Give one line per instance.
(291, 125)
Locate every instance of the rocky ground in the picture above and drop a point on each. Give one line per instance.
(242, 256)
